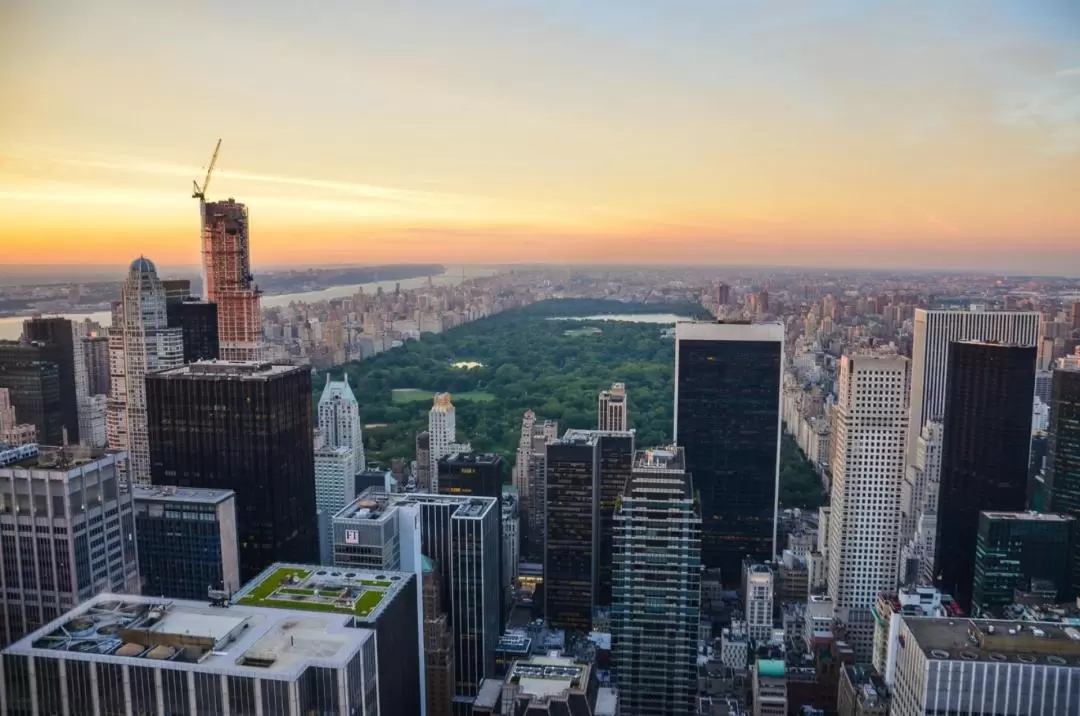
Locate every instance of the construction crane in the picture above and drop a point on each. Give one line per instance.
(200, 192)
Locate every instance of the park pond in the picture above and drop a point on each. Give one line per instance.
(627, 318)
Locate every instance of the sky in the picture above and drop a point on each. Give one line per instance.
(908, 133)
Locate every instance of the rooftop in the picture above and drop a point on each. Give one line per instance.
(242, 370)
(472, 458)
(548, 675)
(193, 636)
(374, 503)
(661, 459)
(312, 588)
(59, 459)
(1027, 516)
(164, 493)
(946, 638)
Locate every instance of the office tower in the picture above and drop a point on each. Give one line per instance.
(984, 453)
(227, 279)
(93, 421)
(423, 461)
(187, 658)
(759, 602)
(727, 418)
(442, 432)
(176, 289)
(934, 331)
(471, 473)
(611, 408)
(723, 293)
(54, 339)
(339, 421)
(530, 478)
(85, 538)
(186, 540)
(656, 594)
(1021, 551)
(12, 432)
(244, 427)
(388, 603)
(918, 507)
(1063, 454)
(770, 688)
(867, 469)
(33, 389)
(438, 645)
(198, 323)
(335, 486)
(553, 684)
(140, 342)
(983, 667)
(96, 359)
(461, 536)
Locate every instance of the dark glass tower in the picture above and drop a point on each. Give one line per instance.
(471, 473)
(55, 342)
(569, 556)
(727, 419)
(616, 466)
(198, 321)
(1063, 454)
(984, 456)
(244, 427)
(1017, 550)
(34, 388)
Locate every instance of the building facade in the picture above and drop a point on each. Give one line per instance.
(1063, 453)
(96, 359)
(335, 487)
(442, 434)
(611, 408)
(339, 421)
(918, 507)
(438, 645)
(244, 427)
(470, 473)
(186, 541)
(984, 454)
(1016, 550)
(227, 279)
(727, 418)
(12, 431)
(140, 342)
(33, 390)
(198, 324)
(759, 602)
(54, 339)
(67, 532)
(867, 469)
(656, 595)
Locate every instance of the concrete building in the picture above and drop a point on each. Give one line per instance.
(868, 468)
(140, 342)
(919, 501)
(335, 484)
(934, 331)
(862, 693)
(94, 421)
(550, 685)
(85, 534)
(983, 667)
(511, 542)
(339, 422)
(530, 478)
(186, 541)
(611, 408)
(12, 432)
(439, 668)
(656, 594)
(735, 646)
(770, 688)
(96, 362)
(759, 602)
(727, 418)
(909, 601)
(442, 434)
(227, 279)
(137, 655)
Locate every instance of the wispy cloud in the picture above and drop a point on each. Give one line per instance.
(1069, 72)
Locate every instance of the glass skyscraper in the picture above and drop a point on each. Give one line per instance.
(1063, 454)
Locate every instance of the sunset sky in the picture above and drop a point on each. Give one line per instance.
(925, 133)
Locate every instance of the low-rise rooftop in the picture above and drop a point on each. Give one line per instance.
(311, 588)
(164, 493)
(947, 638)
(377, 504)
(194, 636)
(57, 458)
(233, 369)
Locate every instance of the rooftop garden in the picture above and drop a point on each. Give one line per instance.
(335, 592)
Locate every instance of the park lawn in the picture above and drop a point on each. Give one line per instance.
(408, 395)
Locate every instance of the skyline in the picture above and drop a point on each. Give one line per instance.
(841, 135)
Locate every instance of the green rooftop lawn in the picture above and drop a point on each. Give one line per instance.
(260, 596)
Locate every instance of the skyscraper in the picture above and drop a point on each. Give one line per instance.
(96, 359)
(54, 339)
(438, 645)
(656, 594)
(198, 323)
(335, 487)
(530, 478)
(339, 421)
(186, 540)
(759, 602)
(984, 454)
(246, 427)
(140, 342)
(33, 391)
(611, 408)
(727, 418)
(227, 279)
(442, 432)
(471, 473)
(84, 542)
(867, 469)
(1025, 551)
(423, 461)
(1063, 454)
(12, 431)
(934, 331)
(918, 507)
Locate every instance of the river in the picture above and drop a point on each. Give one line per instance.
(11, 326)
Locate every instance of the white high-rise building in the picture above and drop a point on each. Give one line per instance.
(934, 330)
(140, 341)
(868, 469)
(611, 408)
(335, 487)
(918, 502)
(93, 411)
(759, 602)
(442, 429)
(12, 431)
(339, 422)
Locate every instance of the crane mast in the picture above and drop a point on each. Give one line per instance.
(200, 192)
